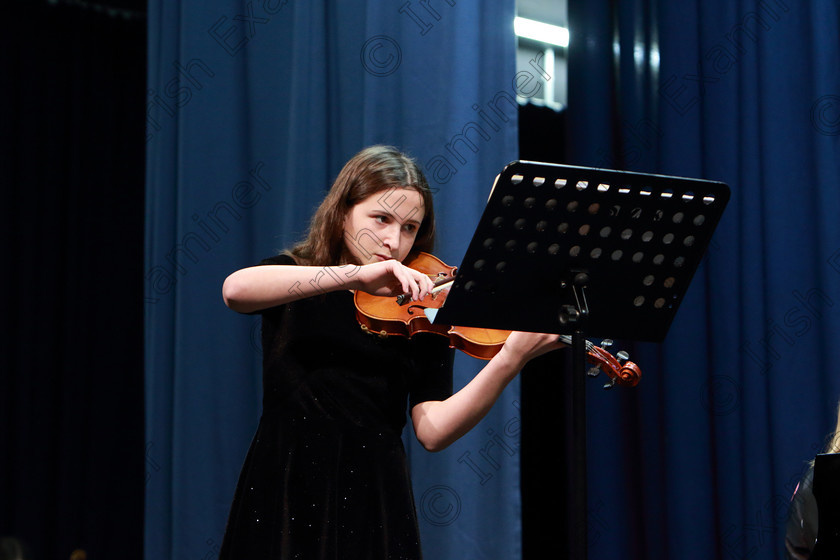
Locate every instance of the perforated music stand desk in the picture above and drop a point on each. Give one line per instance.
(582, 251)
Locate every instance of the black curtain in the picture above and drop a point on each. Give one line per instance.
(71, 216)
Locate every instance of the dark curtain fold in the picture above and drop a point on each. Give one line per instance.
(701, 460)
(71, 166)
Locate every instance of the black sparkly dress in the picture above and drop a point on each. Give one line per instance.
(326, 475)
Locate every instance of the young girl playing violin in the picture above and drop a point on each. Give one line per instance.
(326, 475)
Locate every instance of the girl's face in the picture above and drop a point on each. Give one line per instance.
(384, 225)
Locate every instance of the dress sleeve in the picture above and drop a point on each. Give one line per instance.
(432, 376)
(282, 258)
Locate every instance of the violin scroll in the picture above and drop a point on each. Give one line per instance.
(619, 368)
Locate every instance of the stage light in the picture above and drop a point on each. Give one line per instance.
(542, 32)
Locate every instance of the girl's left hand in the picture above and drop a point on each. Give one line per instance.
(522, 347)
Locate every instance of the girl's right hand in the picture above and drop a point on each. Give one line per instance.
(392, 278)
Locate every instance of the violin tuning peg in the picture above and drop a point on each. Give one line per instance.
(606, 343)
(610, 384)
(594, 371)
(622, 356)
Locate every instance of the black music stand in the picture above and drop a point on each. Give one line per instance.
(584, 252)
(826, 490)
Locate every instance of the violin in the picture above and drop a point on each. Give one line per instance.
(399, 316)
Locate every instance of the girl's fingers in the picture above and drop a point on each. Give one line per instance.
(429, 285)
(407, 281)
(412, 288)
(424, 285)
(396, 275)
(413, 282)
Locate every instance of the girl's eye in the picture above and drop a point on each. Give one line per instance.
(383, 219)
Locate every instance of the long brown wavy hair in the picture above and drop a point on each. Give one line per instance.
(832, 440)
(373, 170)
(833, 444)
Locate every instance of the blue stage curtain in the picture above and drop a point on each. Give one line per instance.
(700, 461)
(252, 108)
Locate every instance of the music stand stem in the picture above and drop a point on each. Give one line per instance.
(579, 482)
